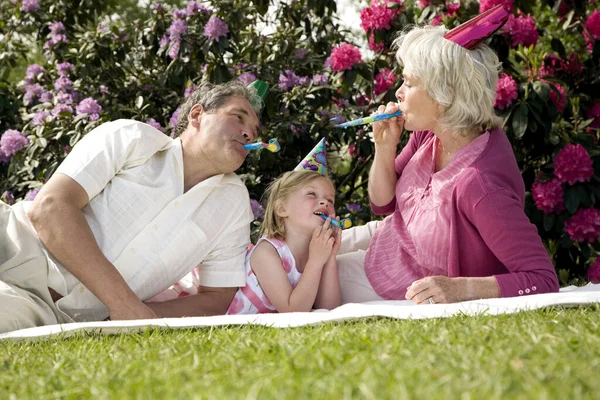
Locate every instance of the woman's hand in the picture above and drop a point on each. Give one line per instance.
(441, 289)
(386, 133)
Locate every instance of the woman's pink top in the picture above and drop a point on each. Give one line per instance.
(465, 220)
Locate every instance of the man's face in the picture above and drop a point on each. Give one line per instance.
(222, 133)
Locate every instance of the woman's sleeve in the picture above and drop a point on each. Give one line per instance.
(400, 162)
(514, 240)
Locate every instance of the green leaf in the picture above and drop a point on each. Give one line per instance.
(542, 90)
(549, 220)
(571, 199)
(519, 120)
(558, 47)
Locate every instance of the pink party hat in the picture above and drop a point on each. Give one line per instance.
(316, 160)
(476, 30)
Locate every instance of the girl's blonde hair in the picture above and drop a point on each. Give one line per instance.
(463, 81)
(278, 191)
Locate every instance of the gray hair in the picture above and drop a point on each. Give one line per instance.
(462, 81)
(212, 97)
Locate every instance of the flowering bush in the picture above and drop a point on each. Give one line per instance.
(67, 66)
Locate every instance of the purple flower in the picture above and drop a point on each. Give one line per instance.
(40, 117)
(257, 210)
(59, 108)
(31, 194)
(215, 28)
(64, 98)
(30, 6)
(8, 197)
(288, 80)
(247, 77)
(193, 8)
(301, 53)
(164, 41)
(189, 90)
(174, 49)
(90, 107)
(103, 89)
(32, 72)
(57, 27)
(177, 28)
(320, 80)
(46, 96)
(63, 83)
(12, 141)
(64, 68)
(353, 207)
(32, 92)
(174, 118)
(179, 14)
(154, 123)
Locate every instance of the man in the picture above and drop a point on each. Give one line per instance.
(129, 212)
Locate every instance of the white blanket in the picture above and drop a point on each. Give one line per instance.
(570, 297)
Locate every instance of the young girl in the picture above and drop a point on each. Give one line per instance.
(292, 267)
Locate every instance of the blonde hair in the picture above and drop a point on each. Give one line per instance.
(278, 191)
(462, 81)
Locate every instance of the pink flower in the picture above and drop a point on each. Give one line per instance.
(592, 23)
(594, 271)
(423, 3)
(548, 196)
(506, 91)
(376, 47)
(573, 164)
(594, 112)
(344, 56)
(377, 17)
(522, 30)
(384, 81)
(584, 225)
(485, 5)
(11, 142)
(559, 102)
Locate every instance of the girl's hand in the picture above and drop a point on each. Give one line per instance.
(386, 133)
(321, 243)
(337, 234)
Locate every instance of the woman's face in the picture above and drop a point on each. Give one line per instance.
(419, 110)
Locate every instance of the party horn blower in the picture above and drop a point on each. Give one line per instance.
(342, 224)
(369, 120)
(272, 146)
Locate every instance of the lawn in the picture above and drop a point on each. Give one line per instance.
(552, 353)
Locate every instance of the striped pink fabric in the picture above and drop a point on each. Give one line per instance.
(414, 241)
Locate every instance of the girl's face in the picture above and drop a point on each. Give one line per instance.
(419, 110)
(303, 207)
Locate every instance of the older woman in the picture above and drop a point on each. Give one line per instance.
(457, 229)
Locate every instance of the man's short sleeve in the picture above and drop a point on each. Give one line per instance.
(109, 148)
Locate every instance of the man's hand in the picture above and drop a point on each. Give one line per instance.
(132, 311)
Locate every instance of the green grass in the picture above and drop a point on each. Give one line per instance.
(540, 354)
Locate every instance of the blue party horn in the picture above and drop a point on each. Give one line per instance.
(342, 223)
(369, 120)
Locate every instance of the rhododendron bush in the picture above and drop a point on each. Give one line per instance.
(67, 66)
